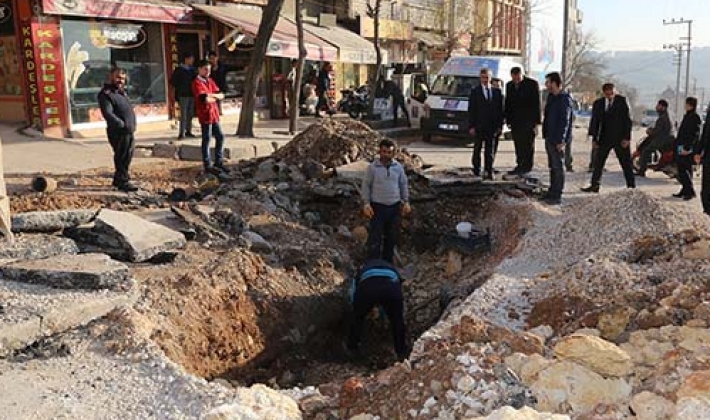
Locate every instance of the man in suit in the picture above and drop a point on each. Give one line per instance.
(485, 114)
(610, 129)
(522, 114)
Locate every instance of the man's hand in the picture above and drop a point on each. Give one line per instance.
(698, 159)
(368, 211)
(406, 209)
(561, 147)
(472, 131)
(625, 144)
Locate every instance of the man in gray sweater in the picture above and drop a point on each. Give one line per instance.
(385, 192)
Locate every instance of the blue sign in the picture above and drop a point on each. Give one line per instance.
(469, 66)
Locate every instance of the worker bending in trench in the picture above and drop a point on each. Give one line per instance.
(385, 191)
(377, 284)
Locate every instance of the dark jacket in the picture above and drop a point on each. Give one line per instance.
(219, 75)
(182, 81)
(522, 104)
(689, 132)
(323, 81)
(392, 89)
(116, 110)
(380, 269)
(704, 143)
(663, 127)
(612, 126)
(557, 125)
(486, 115)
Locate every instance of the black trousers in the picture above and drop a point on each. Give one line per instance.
(524, 140)
(384, 229)
(685, 174)
(379, 291)
(122, 145)
(705, 187)
(485, 142)
(399, 104)
(623, 154)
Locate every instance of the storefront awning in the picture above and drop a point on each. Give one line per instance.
(430, 39)
(283, 41)
(167, 11)
(352, 48)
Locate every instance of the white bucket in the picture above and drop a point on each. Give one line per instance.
(464, 229)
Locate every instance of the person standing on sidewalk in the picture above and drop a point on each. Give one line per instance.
(485, 115)
(218, 73)
(557, 131)
(522, 114)
(703, 156)
(686, 143)
(120, 118)
(385, 191)
(392, 89)
(323, 87)
(182, 78)
(610, 129)
(207, 94)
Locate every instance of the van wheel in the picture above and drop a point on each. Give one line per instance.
(426, 137)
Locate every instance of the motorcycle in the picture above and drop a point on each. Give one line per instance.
(661, 160)
(354, 102)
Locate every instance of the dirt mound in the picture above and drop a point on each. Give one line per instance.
(338, 142)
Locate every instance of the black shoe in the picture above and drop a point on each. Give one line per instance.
(632, 187)
(689, 196)
(476, 172)
(570, 169)
(127, 187)
(591, 189)
(190, 135)
(515, 171)
(181, 137)
(489, 176)
(553, 201)
(496, 172)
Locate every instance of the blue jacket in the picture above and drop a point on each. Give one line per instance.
(557, 126)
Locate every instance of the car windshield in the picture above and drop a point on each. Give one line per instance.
(456, 86)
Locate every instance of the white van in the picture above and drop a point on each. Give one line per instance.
(444, 112)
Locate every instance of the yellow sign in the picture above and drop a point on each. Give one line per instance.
(389, 29)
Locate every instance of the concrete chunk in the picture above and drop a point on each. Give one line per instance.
(140, 238)
(85, 271)
(51, 221)
(167, 151)
(35, 247)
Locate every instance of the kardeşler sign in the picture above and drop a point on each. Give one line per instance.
(117, 35)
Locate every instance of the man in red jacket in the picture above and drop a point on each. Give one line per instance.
(207, 95)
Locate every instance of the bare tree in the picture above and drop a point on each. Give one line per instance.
(295, 93)
(269, 18)
(373, 12)
(585, 68)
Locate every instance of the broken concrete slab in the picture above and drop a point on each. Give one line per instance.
(194, 153)
(34, 247)
(354, 171)
(140, 238)
(35, 311)
(166, 150)
(51, 221)
(84, 271)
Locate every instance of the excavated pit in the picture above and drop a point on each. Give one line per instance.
(276, 314)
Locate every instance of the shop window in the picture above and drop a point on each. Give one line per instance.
(10, 78)
(92, 48)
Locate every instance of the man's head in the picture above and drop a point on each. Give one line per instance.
(486, 76)
(553, 82)
(387, 148)
(516, 73)
(213, 57)
(118, 76)
(496, 82)
(188, 59)
(662, 106)
(294, 63)
(326, 66)
(691, 104)
(608, 90)
(203, 68)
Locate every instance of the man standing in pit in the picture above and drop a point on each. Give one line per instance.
(378, 284)
(522, 114)
(207, 94)
(385, 192)
(120, 118)
(485, 114)
(610, 129)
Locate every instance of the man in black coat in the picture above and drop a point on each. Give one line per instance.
(120, 118)
(660, 136)
(522, 114)
(610, 129)
(703, 156)
(182, 78)
(485, 114)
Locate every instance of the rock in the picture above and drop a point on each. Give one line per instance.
(454, 264)
(649, 406)
(344, 231)
(694, 339)
(140, 238)
(364, 417)
(51, 221)
(696, 385)
(543, 331)
(525, 413)
(692, 408)
(569, 384)
(588, 331)
(466, 384)
(613, 323)
(85, 271)
(266, 172)
(313, 169)
(257, 403)
(596, 354)
(527, 367)
(295, 174)
(165, 150)
(34, 247)
(699, 250)
(257, 242)
(283, 186)
(360, 234)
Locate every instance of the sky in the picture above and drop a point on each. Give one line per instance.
(622, 25)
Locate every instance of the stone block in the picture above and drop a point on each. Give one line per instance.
(166, 150)
(35, 247)
(51, 221)
(192, 153)
(85, 271)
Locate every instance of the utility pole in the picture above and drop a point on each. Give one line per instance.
(678, 62)
(565, 43)
(687, 43)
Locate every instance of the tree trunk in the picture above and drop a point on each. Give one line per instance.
(378, 62)
(296, 88)
(269, 18)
